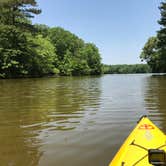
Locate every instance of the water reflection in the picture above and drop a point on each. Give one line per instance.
(19, 146)
(74, 120)
(31, 109)
(155, 99)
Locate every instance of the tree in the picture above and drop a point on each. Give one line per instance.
(126, 69)
(27, 56)
(43, 58)
(151, 55)
(18, 12)
(28, 50)
(65, 41)
(91, 53)
(75, 57)
(42, 29)
(14, 46)
(80, 67)
(13, 55)
(154, 51)
(66, 65)
(161, 35)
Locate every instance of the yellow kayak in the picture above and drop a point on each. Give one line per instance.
(145, 146)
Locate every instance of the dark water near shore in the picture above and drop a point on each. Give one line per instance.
(71, 121)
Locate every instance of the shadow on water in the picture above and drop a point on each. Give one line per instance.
(33, 109)
(155, 99)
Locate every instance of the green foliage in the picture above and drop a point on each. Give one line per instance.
(65, 65)
(44, 56)
(126, 69)
(25, 55)
(150, 54)
(74, 56)
(154, 51)
(28, 50)
(91, 53)
(17, 12)
(80, 67)
(42, 29)
(65, 41)
(13, 52)
(161, 35)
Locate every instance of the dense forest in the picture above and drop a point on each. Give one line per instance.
(35, 50)
(28, 50)
(126, 69)
(154, 51)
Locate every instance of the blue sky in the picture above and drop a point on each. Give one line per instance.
(119, 28)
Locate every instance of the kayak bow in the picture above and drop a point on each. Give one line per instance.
(145, 146)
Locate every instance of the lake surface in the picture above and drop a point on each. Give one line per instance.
(74, 121)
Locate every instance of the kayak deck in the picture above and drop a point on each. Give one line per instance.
(134, 151)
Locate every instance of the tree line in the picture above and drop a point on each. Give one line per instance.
(34, 50)
(126, 69)
(154, 51)
(28, 50)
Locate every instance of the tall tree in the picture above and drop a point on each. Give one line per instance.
(24, 53)
(65, 41)
(91, 53)
(17, 12)
(150, 54)
(16, 51)
(161, 35)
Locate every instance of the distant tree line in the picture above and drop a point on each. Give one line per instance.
(126, 69)
(28, 50)
(154, 51)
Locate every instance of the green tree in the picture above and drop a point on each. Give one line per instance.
(15, 50)
(154, 51)
(22, 54)
(151, 55)
(27, 56)
(65, 41)
(65, 66)
(13, 55)
(17, 12)
(74, 56)
(161, 35)
(42, 29)
(80, 67)
(91, 53)
(126, 69)
(35, 50)
(44, 58)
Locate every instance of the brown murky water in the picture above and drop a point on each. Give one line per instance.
(74, 121)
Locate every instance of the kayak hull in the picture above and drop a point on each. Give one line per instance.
(134, 151)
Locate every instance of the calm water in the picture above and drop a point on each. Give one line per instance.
(74, 121)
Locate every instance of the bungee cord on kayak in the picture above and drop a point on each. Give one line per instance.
(145, 146)
(146, 150)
